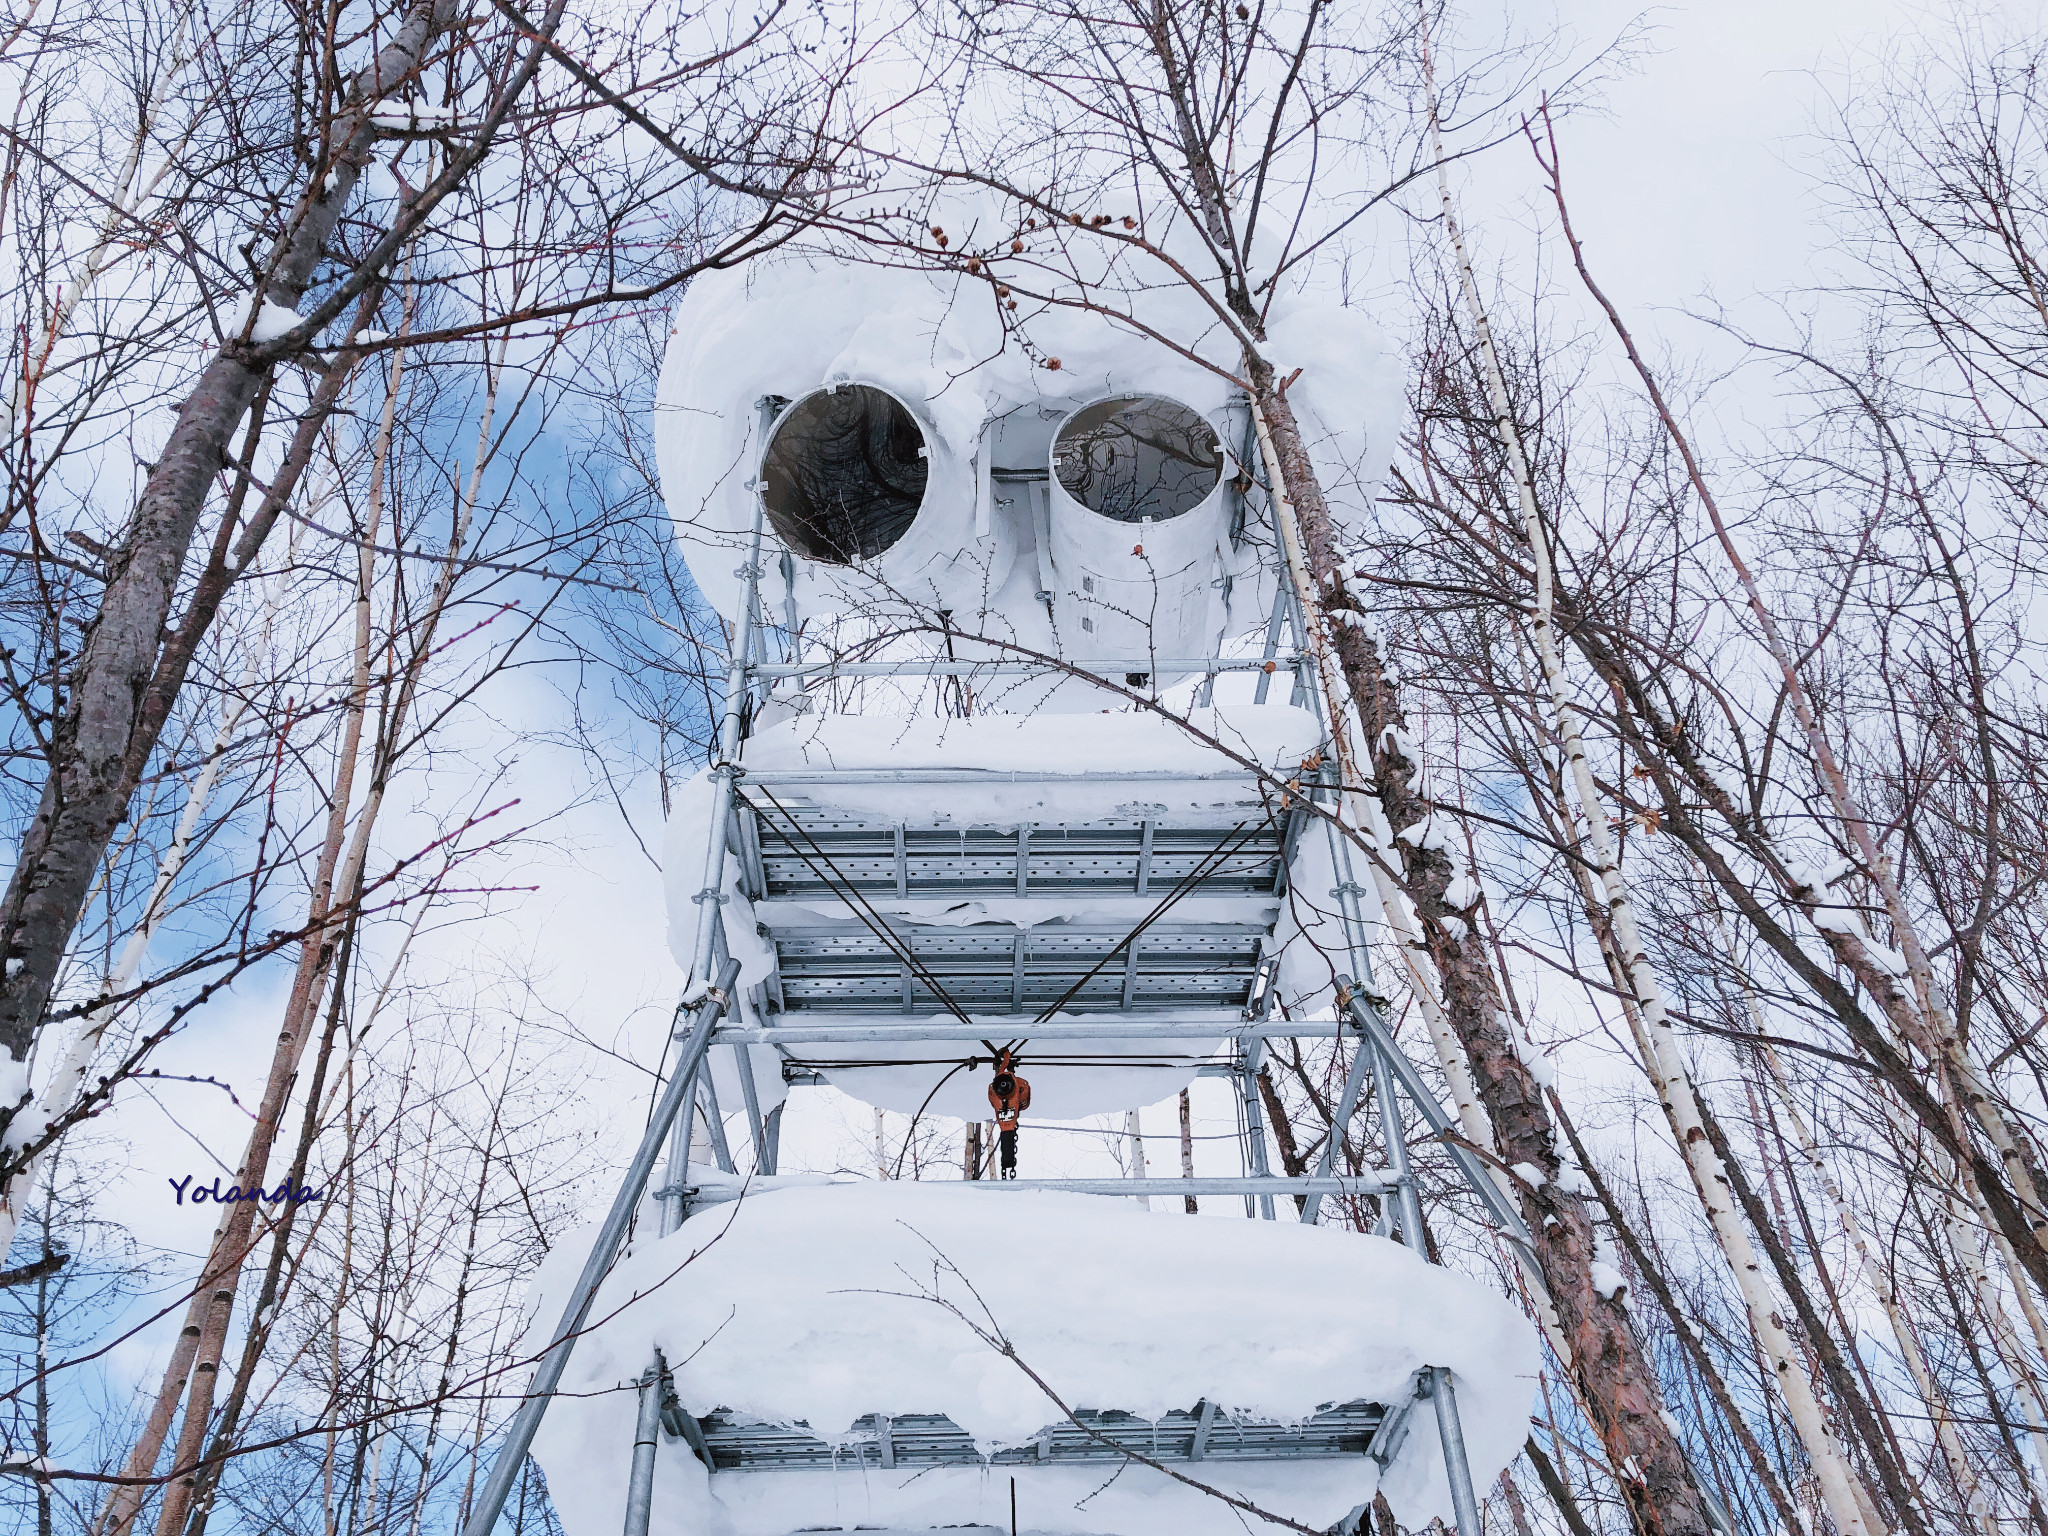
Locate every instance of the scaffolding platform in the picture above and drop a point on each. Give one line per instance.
(1201, 1433)
(799, 845)
(1101, 909)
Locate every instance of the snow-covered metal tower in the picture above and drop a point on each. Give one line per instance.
(1020, 764)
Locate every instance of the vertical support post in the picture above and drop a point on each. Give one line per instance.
(1135, 1132)
(1017, 947)
(1347, 1104)
(1272, 637)
(547, 1376)
(772, 1140)
(724, 759)
(1304, 673)
(1255, 1120)
(1355, 939)
(1357, 935)
(714, 1122)
(1407, 1203)
(646, 1440)
(792, 647)
(750, 1094)
(679, 1158)
(1464, 1504)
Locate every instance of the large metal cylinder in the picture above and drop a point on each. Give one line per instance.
(856, 483)
(1139, 513)
(846, 474)
(793, 384)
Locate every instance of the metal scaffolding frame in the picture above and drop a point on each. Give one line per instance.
(852, 982)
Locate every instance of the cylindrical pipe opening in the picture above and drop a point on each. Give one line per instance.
(844, 474)
(1139, 458)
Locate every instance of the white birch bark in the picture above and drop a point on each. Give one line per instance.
(2005, 1339)
(1968, 1483)
(1134, 1137)
(195, 1359)
(1923, 1018)
(61, 1090)
(1360, 809)
(1846, 1499)
(94, 763)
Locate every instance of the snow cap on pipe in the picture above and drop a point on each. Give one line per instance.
(828, 356)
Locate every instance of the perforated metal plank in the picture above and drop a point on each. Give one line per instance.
(1102, 857)
(931, 1440)
(999, 967)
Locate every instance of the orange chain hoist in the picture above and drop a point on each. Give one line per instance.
(1009, 1096)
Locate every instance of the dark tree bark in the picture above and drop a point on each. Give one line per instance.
(103, 732)
(1283, 1132)
(1615, 1378)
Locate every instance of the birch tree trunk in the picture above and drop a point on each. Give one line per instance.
(94, 743)
(344, 887)
(1921, 1016)
(1614, 1377)
(1846, 1499)
(195, 1361)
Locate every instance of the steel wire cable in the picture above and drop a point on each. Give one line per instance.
(1202, 870)
(870, 919)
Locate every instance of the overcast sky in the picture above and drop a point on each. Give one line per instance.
(1697, 179)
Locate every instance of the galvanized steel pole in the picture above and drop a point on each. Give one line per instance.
(1456, 1467)
(548, 1375)
(646, 1440)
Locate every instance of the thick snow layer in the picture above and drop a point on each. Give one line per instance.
(1021, 911)
(810, 1304)
(272, 321)
(1276, 736)
(787, 326)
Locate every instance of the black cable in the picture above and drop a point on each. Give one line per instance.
(843, 1064)
(873, 921)
(654, 1097)
(1185, 884)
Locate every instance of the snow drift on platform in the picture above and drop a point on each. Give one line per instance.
(808, 1304)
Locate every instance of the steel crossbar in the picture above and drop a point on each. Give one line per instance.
(1101, 666)
(1109, 1025)
(932, 1440)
